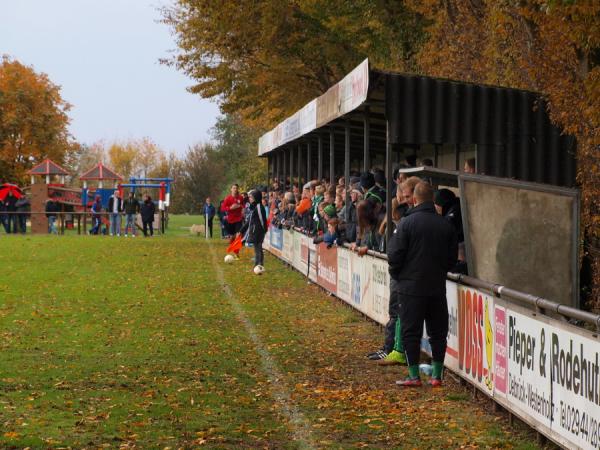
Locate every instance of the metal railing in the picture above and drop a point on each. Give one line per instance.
(540, 304)
(81, 217)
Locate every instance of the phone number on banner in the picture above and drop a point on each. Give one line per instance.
(580, 424)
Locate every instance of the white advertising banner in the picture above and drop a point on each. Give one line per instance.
(344, 274)
(381, 290)
(350, 93)
(297, 241)
(553, 376)
(288, 245)
(354, 88)
(312, 259)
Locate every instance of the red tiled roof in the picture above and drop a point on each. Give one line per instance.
(48, 167)
(100, 172)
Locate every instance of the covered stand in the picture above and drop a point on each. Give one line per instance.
(375, 119)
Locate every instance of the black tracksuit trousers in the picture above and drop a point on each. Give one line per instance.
(433, 310)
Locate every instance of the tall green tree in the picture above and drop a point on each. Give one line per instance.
(235, 145)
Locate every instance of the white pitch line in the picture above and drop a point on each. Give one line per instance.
(300, 426)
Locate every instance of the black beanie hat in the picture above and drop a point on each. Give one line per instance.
(443, 197)
(379, 177)
(367, 180)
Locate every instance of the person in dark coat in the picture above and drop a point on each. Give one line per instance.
(147, 211)
(131, 206)
(23, 207)
(52, 209)
(96, 215)
(10, 203)
(256, 226)
(448, 206)
(4, 217)
(423, 248)
(209, 215)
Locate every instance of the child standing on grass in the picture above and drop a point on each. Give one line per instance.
(256, 227)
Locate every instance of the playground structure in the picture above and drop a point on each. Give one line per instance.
(77, 202)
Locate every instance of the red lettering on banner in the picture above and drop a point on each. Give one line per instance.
(468, 338)
(461, 328)
(470, 333)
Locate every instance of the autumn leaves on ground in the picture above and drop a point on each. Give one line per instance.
(155, 343)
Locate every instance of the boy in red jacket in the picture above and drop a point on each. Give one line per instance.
(233, 205)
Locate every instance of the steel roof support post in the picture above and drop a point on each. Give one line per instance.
(277, 166)
(308, 162)
(269, 171)
(291, 159)
(367, 138)
(320, 158)
(284, 169)
(331, 156)
(347, 167)
(299, 166)
(389, 182)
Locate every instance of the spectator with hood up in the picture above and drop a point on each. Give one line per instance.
(256, 228)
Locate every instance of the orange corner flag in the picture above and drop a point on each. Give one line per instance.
(236, 245)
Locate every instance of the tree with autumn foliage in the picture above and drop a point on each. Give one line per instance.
(263, 59)
(551, 47)
(33, 120)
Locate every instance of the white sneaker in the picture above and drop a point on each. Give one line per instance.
(126, 235)
(133, 235)
(111, 234)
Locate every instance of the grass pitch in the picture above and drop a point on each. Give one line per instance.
(155, 343)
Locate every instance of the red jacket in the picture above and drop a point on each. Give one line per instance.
(233, 215)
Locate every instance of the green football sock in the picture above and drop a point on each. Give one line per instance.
(413, 371)
(437, 369)
(398, 337)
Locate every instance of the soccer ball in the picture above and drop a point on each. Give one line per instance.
(229, 259)
(258, 270)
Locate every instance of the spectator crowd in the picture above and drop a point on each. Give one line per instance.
(427, 241)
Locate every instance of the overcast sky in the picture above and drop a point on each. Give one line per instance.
(104, 54)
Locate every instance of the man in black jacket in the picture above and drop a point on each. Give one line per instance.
(131, 205)
(423, 248)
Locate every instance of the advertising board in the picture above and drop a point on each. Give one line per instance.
(287, 245)
(553, 376)
(296, 243)
(312, 259)
(276, 241)
(476, 337)
(327, 267)
(381, 290)
(344, 274)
